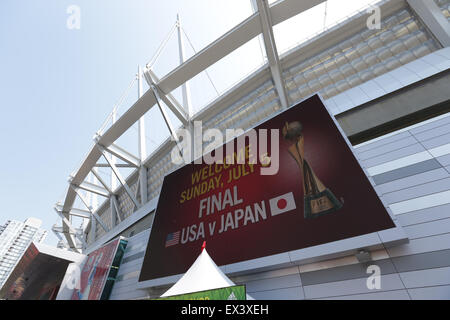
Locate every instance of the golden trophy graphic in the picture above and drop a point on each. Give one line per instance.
(318, 200)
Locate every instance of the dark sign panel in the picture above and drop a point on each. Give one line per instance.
(37, 276)
(319, 195)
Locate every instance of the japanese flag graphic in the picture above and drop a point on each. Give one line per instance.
(282, 204)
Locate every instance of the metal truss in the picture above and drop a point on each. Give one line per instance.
(89, 207)
(118, 175)
(168, 99)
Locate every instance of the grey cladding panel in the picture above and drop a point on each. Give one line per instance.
(129, 295)
(444, 160)
(385, 148)
(433, 133)
(274, 283)
(428, 260)
(436, 142)
(417, 191)
(431, 125)
(345, 273)
(119, 285)
(295, 293)
(411, 181)
(351, 287)
(133, 257)
(426, 278)
(406, 171)
(385, 295)
(430, 293)
(393, 155)
(424, 215)
(131, 266)
(128, 275)
(428, 229)
(382, 142)
(422, 245)
(136, 247)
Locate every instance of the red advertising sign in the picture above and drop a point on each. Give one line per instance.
(17, 284)
(319, 195)
(95, 272)
(37, 276)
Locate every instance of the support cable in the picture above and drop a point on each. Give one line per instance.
(124, 95)
(161, 47)
(195, 52)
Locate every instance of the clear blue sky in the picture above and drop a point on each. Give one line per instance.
(58, 85)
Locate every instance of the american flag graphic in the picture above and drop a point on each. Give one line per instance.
(173, 239)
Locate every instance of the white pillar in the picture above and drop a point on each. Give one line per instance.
(94, 198)
(260, 37)
(142, 146)
(185, 87)
(94, 205)
(272, 52)
(186, 94)
(113, 159)
(433, 18)
(141, 123)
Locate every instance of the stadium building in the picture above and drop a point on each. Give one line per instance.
(387, 87)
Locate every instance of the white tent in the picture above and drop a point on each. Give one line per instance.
(203, 275)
